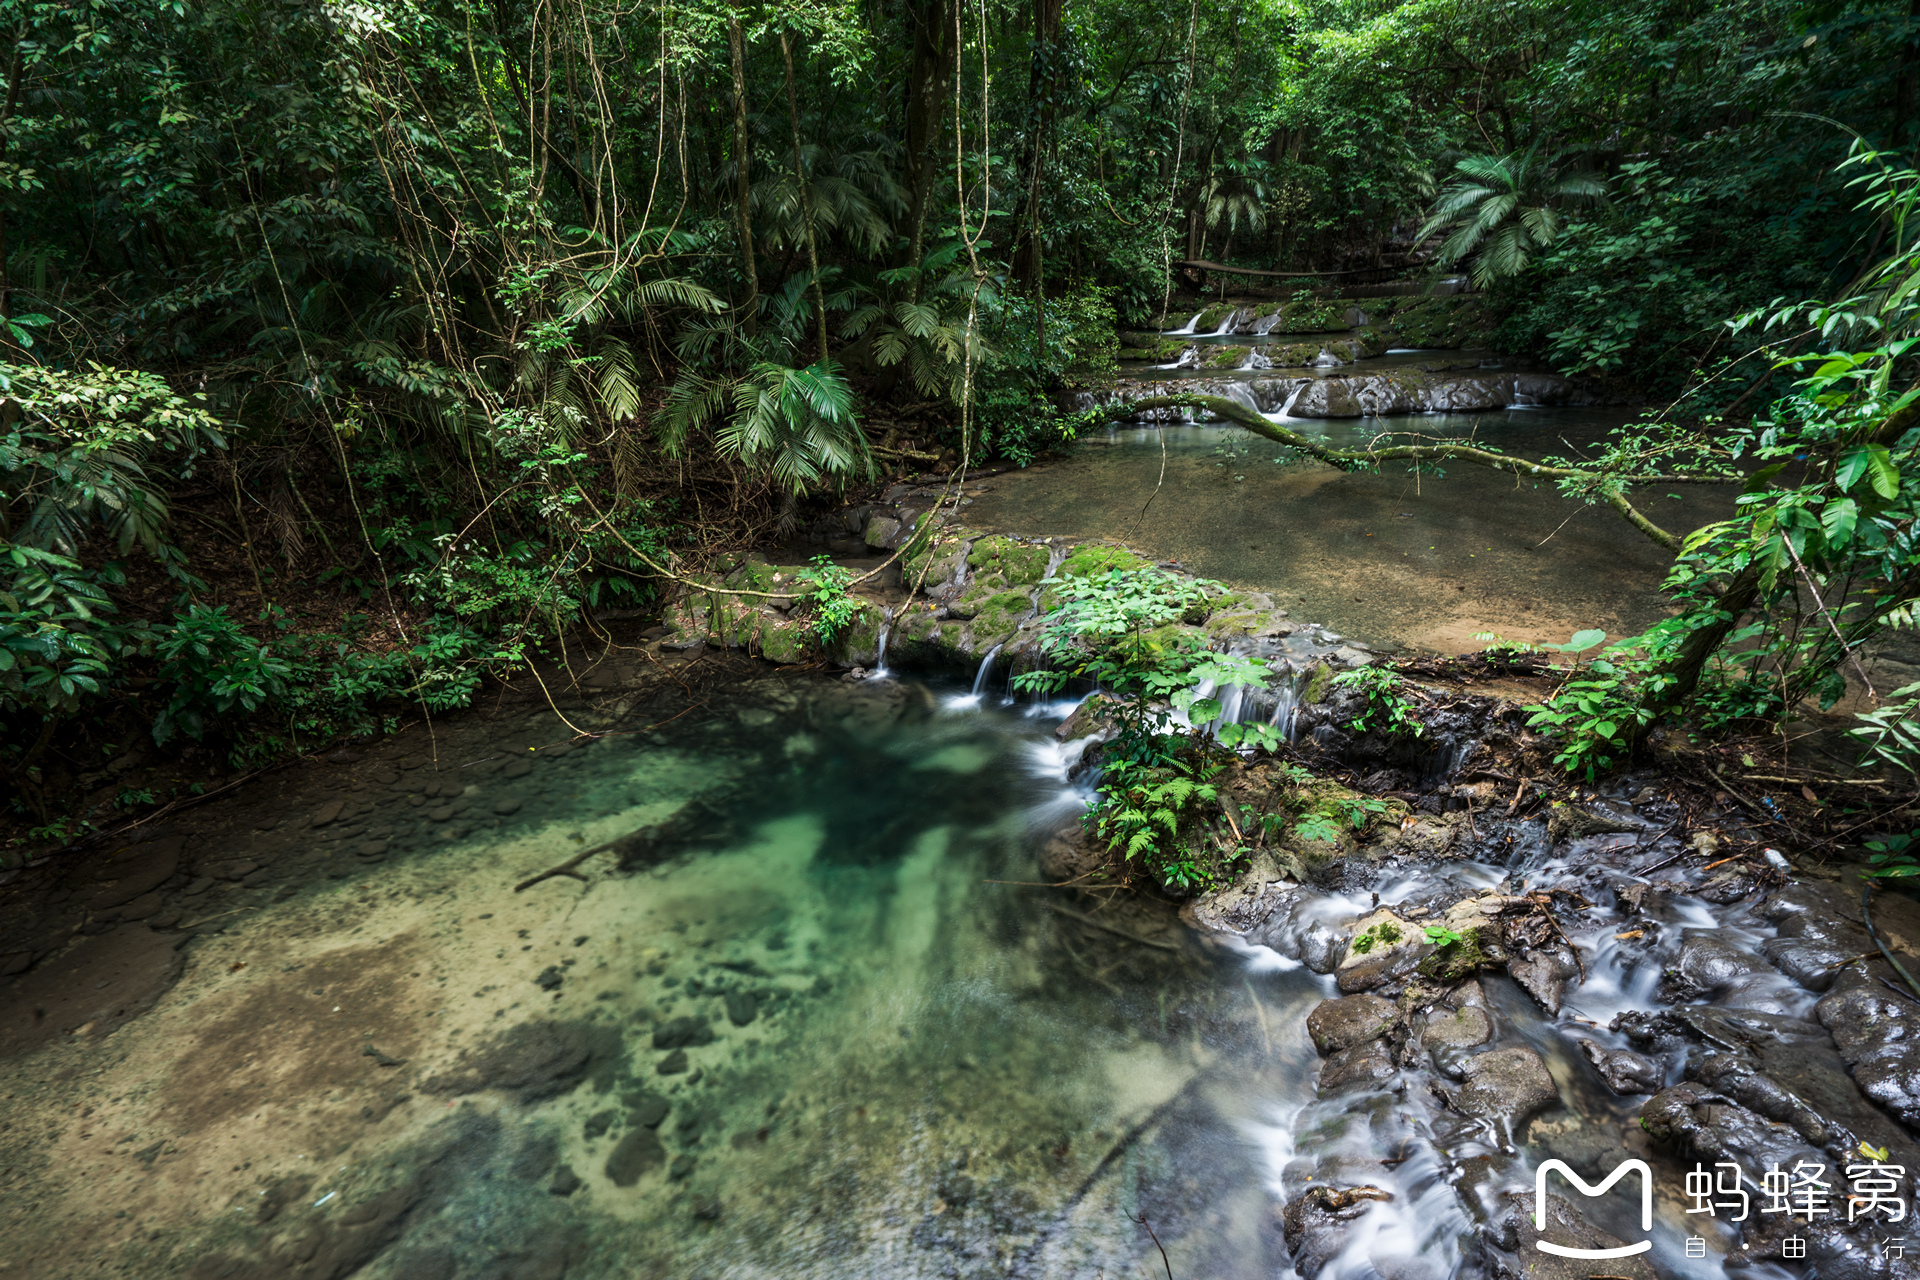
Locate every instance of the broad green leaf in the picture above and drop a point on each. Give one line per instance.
(1886, 476)
(1839, 518)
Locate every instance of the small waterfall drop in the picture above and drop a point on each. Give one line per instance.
(1256, 359)
(1226, 322)
(1240, 394)
(880, 671)
(1188, 326)
(1264, 325)
(1286, 409)
(1326, 359)
(986, 665)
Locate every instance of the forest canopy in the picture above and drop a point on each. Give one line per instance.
(354, 350)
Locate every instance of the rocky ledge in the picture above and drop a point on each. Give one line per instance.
(1419, 389)
(1542, 1010)
(977, 596)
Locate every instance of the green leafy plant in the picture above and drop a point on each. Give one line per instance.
(1897, 857)
(1504, 209)
(833, 609)
(1440, 936)
(1113, 630)
(1386, 707)
(1315, 826)
(215, 670)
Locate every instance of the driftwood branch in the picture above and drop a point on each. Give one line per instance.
(567, 868)
(1454, 451)
(1071, 914)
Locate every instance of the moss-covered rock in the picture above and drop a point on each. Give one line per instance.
(1317, 683)
(1007, 562)
(1210, 319)
(1227, 623)
(785, 642)
(1313, 315)
(1457, 321)
(857, 644)
(1293, 355)
(1098, 559)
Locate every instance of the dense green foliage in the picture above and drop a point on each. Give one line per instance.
(353, 351)
(1118, 632)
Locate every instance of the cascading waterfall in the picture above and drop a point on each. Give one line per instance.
(880, 659)
(1241, 394)
(986, 665)
(1285, 411)
(1264, 326)
(1188, 327)
(1325, 360)
(1256, 360)
(1277, 704)
(1226, 324)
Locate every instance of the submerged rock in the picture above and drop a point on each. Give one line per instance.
(1368, 1063)
(678, 1033)
(1625, 1071)
(1351, 1020)
(535, 1060)
(742, 1007)
(1511, 1253)
(634, 1156)
(1504, 1084)
(1316, 1223)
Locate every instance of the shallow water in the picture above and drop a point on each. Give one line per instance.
(1425, 562)
(917, 1066)
(923, 1088)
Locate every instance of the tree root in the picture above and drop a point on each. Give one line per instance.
(567, 868)
(1071, 914)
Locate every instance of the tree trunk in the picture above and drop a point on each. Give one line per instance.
(742, 174)
(806, 200)
(928, 80)
(1029, 259)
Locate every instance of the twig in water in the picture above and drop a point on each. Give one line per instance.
(1667, 863)
(1545, 905)
(1142, 1220)
(1071, 914)
(1866, 891)
(1758, 810)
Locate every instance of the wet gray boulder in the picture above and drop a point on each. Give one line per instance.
(1351, 1020)
(1451, 1029)
(1510, 1253)
(1705, 1124)
(1316, 1223)
(1364, 1064)
(1710, 965)
(1878, 1035)
(1783, 1070)
(1544, 973)
(1507, 1085)
(1625, 1071)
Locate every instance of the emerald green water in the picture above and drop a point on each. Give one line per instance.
(823, 1023)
